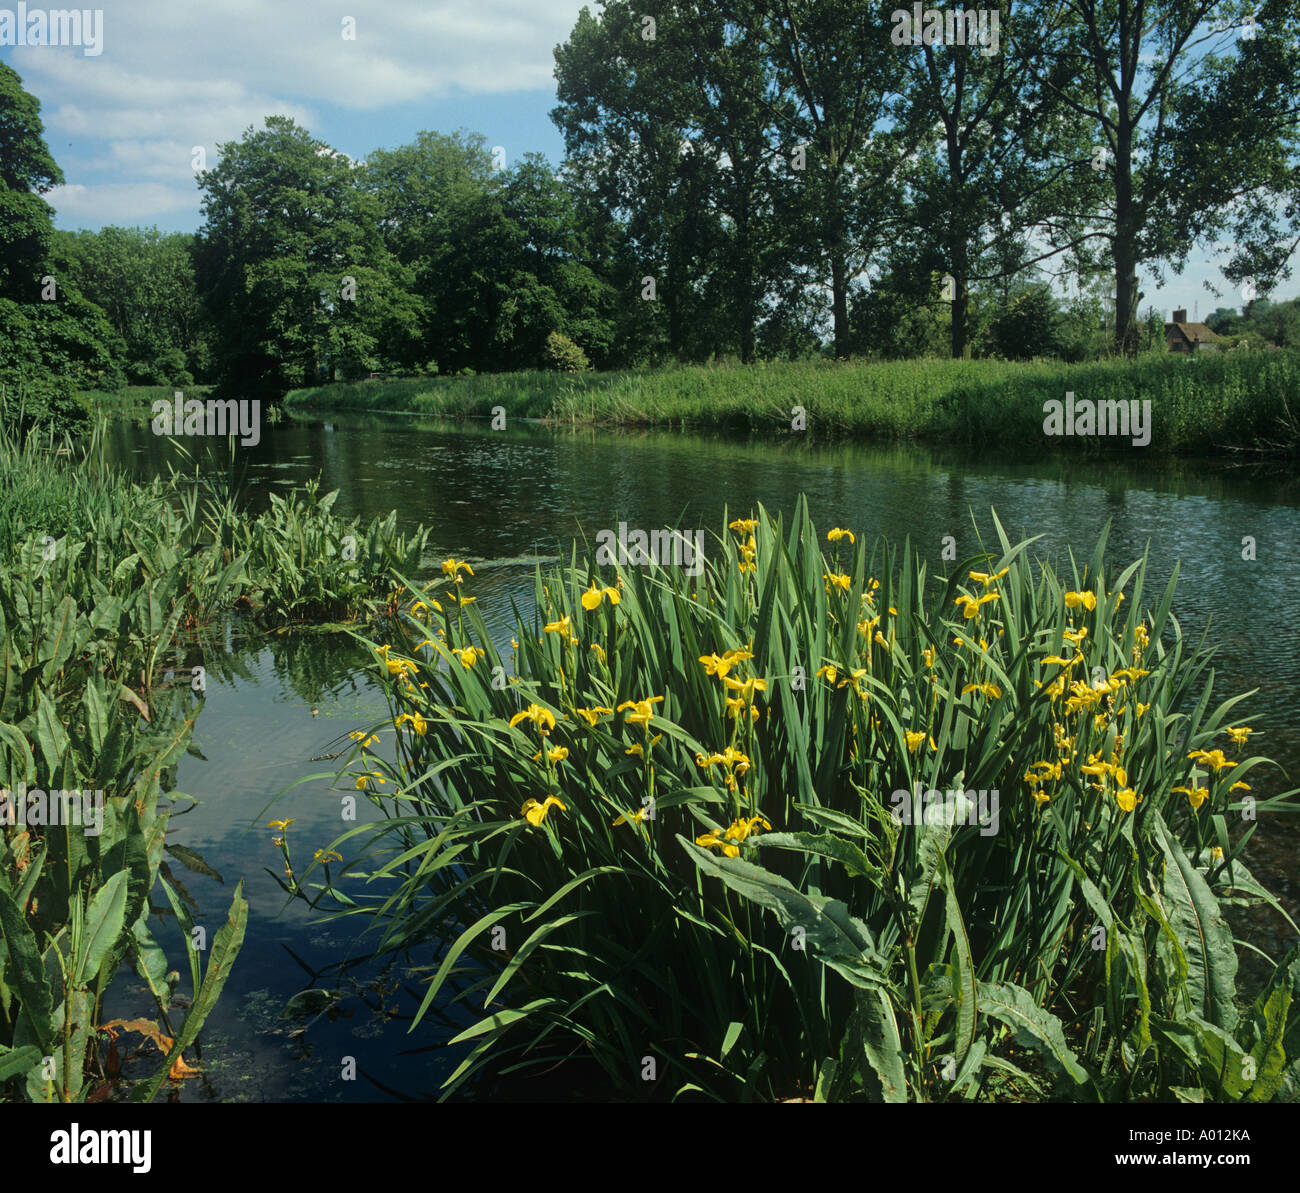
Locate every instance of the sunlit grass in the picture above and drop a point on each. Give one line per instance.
(1242, 400)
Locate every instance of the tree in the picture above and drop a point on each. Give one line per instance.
(1245, 110)
(1028, 325)
(1001, 184)
(645, 173)
(27, 171)
(834, 92)
(51, 340)
(291, 264)
(144, 283)
(1143, 64)
(495, 257)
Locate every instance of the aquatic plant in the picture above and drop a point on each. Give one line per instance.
(107, 592)
(820, 823)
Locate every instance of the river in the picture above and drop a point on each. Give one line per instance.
(531, 490)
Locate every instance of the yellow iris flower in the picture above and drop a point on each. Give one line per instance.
(416, 722)
(543, 718)
(747, 687)
(593, 596)
(641, 711)
(1196, 796)
(1213, 758)
(729, 841)
(970, 606)
(535, 812)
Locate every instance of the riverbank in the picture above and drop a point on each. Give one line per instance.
(1248, 403)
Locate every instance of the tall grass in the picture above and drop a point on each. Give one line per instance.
(135, 402)
(1247, 401)
(677, 839)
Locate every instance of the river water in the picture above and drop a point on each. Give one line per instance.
(532, 490)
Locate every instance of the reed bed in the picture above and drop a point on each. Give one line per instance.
(1236, 401)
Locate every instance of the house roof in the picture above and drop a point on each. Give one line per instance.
(1193, 333)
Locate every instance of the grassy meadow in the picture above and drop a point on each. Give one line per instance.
(1247, 402)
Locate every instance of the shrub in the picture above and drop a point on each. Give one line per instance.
(564, 356)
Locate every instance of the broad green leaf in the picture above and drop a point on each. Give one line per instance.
(1203, 933)
(1030, 1024)
(104, 922)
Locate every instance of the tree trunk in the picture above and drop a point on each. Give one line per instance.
(1125, 246)
(840, 303)
(748, 303)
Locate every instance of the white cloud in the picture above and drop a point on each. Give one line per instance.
(173, 76)
(157, 52)
(126, 203)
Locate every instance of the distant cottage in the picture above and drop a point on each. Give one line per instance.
(1188, 338)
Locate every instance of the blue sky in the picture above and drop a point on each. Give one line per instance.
(174, 74)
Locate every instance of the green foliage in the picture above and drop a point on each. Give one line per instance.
(144, 283)
(106, 590)
(495, 256)
(684, 819)
(564, 356)
(51, 339)
(27, 171)
(291, 266)
(1027, 325)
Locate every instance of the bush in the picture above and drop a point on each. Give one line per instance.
(48, 404)
(690, 827)
(1028, 325)
(562, 355)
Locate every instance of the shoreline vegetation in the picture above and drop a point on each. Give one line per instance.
(1246, 403)
(678, 862)
(112, 598)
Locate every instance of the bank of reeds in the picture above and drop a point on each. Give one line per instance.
(1247, 402)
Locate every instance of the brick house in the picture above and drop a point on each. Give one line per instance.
(1188, 338)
